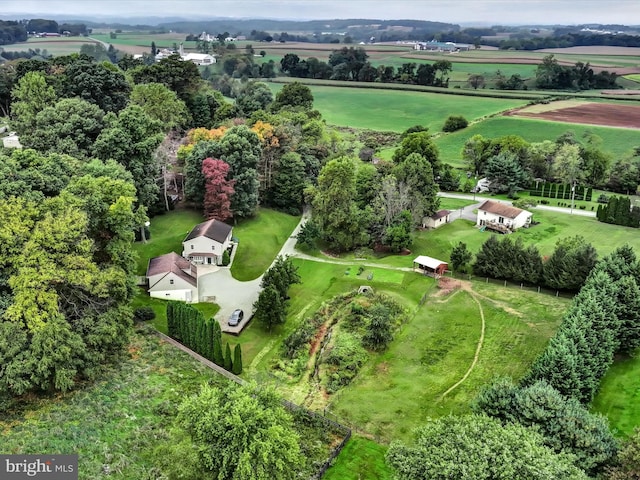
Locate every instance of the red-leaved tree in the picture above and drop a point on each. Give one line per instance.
(218, 190)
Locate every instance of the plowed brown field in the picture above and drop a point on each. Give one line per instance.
(591, 113)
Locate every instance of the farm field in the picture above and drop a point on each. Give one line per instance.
(615, 141)
(53, 46)
(141, 42)
(593, 113)
(393, 110)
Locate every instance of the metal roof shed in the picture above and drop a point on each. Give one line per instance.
(428, 265)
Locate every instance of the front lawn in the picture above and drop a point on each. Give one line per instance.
(260, 239)
(360, 459)
(167, 233)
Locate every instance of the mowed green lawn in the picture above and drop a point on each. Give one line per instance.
(392, 110)
(260, 239)
(615, 141)
(397, 390)
(360, 459)
(619, 395)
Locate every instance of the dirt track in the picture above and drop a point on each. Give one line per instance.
(606, 114)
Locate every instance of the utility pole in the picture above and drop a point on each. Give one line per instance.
(573, 195)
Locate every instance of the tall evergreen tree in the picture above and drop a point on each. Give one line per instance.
(228, 359)
(237, 360)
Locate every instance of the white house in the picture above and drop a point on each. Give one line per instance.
(501, 215)
(206, 243)
(201, 59)
(172, 277)
(437, 219)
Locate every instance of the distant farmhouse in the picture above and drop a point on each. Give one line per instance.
(201, 59)
(434, 46)
(502, 217)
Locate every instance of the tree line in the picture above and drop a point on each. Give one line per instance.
(618, 211)
(551, 75)
(351, 63)
(567, 268)
(512, 164)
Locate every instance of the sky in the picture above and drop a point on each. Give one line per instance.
(492, 12)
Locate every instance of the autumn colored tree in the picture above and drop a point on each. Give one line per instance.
(218, 190)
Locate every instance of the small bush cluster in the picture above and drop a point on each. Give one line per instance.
(455, 123)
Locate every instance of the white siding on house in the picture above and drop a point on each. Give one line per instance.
(204, 245)
(172, 287)
(514, 223)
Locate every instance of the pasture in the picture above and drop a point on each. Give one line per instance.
(53, 45)
(395, 110)
(436, 349)
(615, 141)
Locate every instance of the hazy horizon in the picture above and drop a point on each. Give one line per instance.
(493, 12)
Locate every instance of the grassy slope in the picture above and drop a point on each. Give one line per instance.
(118, 422)
(404, 385)
(619, 395)
(260, 240)
(359, 460)
(393, 110)
(616, 141)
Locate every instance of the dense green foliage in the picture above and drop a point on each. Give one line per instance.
(619, 211)
(477, 447)
(242, 433)
(271, 306)
(187, 324)
(567, 426)
(509, 259)
(601, 321)
(454, 123)
(65, 272)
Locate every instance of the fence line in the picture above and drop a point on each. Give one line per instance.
(342, 429)
(513, 285)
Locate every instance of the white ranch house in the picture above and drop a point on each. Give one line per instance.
(172, 277)
(496, 214)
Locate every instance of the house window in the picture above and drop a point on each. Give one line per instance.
(191, 246)
(500, 219)
(171, 281)
(213, 247)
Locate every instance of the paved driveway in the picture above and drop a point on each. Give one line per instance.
(217, 285)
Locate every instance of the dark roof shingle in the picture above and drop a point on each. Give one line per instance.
(171, 262)
(213, 229)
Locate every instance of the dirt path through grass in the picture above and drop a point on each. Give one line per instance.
(467, 287)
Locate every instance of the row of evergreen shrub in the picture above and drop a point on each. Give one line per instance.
(619, 211)
(186, 324)
(560, 190)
